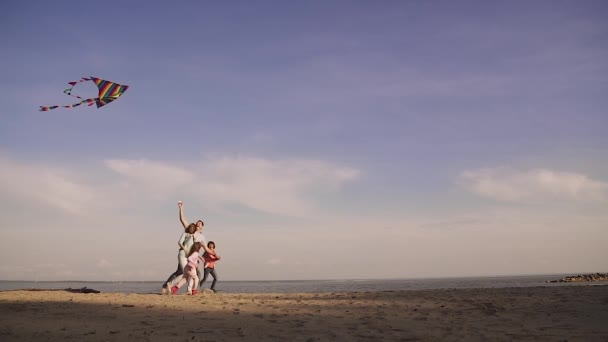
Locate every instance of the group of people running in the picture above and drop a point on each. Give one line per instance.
(193, 249)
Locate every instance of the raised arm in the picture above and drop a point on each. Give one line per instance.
(203, 241)
(180, 204)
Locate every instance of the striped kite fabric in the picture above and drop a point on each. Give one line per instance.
(108, 92)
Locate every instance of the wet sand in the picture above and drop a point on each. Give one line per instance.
(572, 313)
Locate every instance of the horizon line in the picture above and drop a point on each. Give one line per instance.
(319, 279)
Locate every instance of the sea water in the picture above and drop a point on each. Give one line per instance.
(291, 286)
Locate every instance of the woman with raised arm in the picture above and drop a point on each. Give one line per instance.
(198, 236)
(186, 241)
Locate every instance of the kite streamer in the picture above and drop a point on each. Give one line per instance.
(108, 92)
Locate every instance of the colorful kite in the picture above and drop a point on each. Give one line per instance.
(108, 92)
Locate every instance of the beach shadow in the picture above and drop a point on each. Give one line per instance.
(523, 314)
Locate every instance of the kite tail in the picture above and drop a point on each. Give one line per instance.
(89, 102)
(68, 91)
(73, 84)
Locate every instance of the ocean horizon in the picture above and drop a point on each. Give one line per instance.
(294, 286)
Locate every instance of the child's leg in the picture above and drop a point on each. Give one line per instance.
(205, 274)
(191, 275)
(214, 274)
(182, 282)
(195, 281)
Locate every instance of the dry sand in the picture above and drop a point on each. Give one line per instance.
(572, 313)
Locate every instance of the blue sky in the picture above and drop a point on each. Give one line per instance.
(458, 139)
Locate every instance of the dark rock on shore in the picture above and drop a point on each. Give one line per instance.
(581, 278)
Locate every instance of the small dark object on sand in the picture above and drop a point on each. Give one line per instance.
(69, 289)
(82, 290)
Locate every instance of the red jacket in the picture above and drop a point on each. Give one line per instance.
(209, 260)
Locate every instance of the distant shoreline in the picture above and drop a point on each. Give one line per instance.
(325, 280)
(590, 277)
(308, 286)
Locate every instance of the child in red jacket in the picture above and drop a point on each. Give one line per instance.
(210, 260)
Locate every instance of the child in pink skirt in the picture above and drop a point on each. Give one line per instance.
(190, 275)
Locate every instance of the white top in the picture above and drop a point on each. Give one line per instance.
(199, 237)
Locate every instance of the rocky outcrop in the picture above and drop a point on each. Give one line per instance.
(582, 278)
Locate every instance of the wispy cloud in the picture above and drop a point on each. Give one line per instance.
(506, 184)
(103, 263)
(276, 186)
(273, 186)
(273, 261)
(284, 187)
(152, 178)
(52, 186)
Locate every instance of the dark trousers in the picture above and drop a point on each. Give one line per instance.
(172, 277)
(178, 273)
(206, 274)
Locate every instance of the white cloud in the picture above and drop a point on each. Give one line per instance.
(141, 230)
(103, 263)
(49, 185)
(279, 187)
(284, 187)
(273, 186)
(273, 261)
(536, 184)
(154, 176)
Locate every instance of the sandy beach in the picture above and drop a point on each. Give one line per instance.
(572, 313)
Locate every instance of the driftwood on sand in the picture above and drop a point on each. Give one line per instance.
(69, 289)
